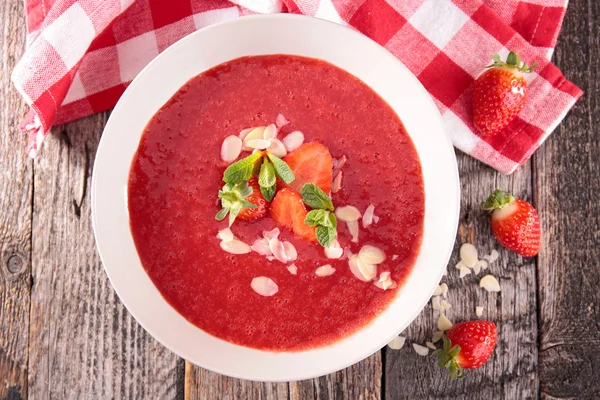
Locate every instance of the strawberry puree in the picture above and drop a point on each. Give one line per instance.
(177, 172)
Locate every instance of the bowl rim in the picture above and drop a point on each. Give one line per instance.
(100, 232)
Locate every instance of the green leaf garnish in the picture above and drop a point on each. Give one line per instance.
(267, 177)
(242, 170)
(314, 197)
(233, 200)
(325, 235)
(282, 170)
(317, 217)
(268, 192)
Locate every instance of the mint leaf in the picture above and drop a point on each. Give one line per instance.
(282, 170)
(242, 170)
(316, 217)
(332, 220)
(267, 177)
(268, 192)
(315, 197)
(325, 235)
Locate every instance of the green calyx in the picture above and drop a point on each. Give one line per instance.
(513, 60)
(447, 359)
(497, 200)
(233, 200)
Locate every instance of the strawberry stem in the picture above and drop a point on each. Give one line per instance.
(447, 359)
(513, 60)
(497, 200)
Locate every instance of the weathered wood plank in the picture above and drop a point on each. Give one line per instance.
(201, 384)
(83, 342)
(567, 182)
(512, 372)
(360, 381)
(16, 191)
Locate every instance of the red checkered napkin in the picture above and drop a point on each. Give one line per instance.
(82, 54)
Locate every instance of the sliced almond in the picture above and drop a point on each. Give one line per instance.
(420, 350)
(489, 283)
(261, 246)
(437, 291)
(325, 270)
(385, 281)
(479, 311)
(444, 323)
(437, 335)
(231, 148)
(244, 133)
(430, 345)
(277, 148)
(459, 265)
(255, 133)
(436, 303)
(354, 262)
(444, 288)
(225, 234)
(259, 144)
(290, 251)
(464, 271)
(293, 269)
(293, 140)
(281, 120)
(278, 250)
(347, 213)
(397, 343)
(272, 234)
(264, 286)
(353, 229)
(468, 255)
(336, 184)
(367, 218)
(493, 256)
(480, 265)
(334, 251)
(395, 257)
(270, 132)
(235, 246)
(369, 271)
(371, 254)
(445, 305)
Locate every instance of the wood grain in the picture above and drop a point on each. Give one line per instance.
(16, 190)
(83, 343)
(512, 371)
(567, 182)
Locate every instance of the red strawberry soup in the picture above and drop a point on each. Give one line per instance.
(340, 194)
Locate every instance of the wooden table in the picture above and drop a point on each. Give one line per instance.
(65, 334)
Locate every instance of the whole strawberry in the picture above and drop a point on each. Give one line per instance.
(243, 201)
(467, 345)
(499, 94)
(515, 223)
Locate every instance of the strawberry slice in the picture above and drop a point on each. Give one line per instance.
(311, 163)
(287, 209)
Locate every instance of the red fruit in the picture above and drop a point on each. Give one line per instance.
(467, 345)
(311, 163)
(515, 223)
(256, 198)
(287, 209)
(499, 94)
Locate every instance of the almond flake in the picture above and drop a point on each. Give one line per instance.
(371, 255)
(231, 148)
(347, 213)
(444, 290)
(385, 281)
(367, 218)
(293, 140)
(445, 305)
(278, 250)
(437, 335)
(430, 345)
(468, 255)
(336, 184)
(334, 251)
(479, 311)
(353, 263)
(235, 246)
(438, 291)
(290, 251)
(489, 283)
(264, 286)
(259, 144)
(395, 257)
(225, 234)
(459, 265)
(494, 256)
(397, 343)
(277, 148)
(293, 269)
(272, 234)
(245, 132)
(255, 133)
(353, 229)
(325, 270)
(261, 246)
(435, 303)
(340, 162)
(481, 264)
(420, 350)
(464, 271)
(444, 323)
(375, 219)
(281, 120)
(270, 132)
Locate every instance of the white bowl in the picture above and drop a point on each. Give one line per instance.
(256, 35)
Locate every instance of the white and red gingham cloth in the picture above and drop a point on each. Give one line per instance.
(82, 54)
